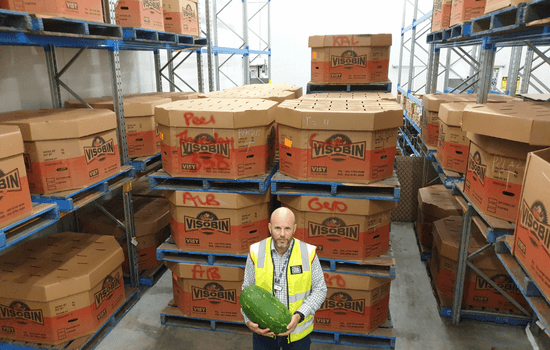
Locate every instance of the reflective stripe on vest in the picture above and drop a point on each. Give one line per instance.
(298, 284)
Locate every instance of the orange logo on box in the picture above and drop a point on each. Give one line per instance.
(341, 301)
(109, 285)
(214, 293)
(20, 311)
(99, 148)
(475, 166)
(535, 219)
(10, 181)
(207, 223)
(334, 227)
(349, 59)
(205, 145)
(188, 12)
(151, 5)
(504, 282)
(338, 147)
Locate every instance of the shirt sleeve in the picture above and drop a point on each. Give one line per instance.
(249, 279)
(318, 290)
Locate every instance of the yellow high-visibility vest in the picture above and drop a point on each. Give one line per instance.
(298, 276)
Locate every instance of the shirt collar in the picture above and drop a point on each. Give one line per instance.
(274, 250)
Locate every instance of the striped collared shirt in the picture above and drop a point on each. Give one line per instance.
(318, 287)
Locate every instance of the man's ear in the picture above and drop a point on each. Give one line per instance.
(295, 227)
(269, 226)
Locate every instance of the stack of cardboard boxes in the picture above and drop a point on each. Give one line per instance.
(447, 13)
(85, 10)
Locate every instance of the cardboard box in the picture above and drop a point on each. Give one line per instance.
(15, 197)
(67, 148)
(531, 245)
(218, 222)
(453, 145)
(495, 174)
(354, 303)
(464, 10)
(432, 102)
(344, 59)
(478, 293)
(142, 135)
(493, 5)
(434, 203)
(429, 127)
(140, 13)
(208, 292)
(181, 17)
(217, 138)
(174, 96)
(86, 10)
(338, 140)
(59, 288)
(297, 90)
(527, 122)
(151, 221)
(441, 15)
(343, 229)
(362, 96)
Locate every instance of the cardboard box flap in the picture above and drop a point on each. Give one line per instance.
(502, 147)
(354, 281)
(265, 94)
(57, 266)
(438, 201)
(447, 233)
(56, 124)
(527, 122)
(282, 87)
(137, 106)
(200, 199)
(11, 141)
(174, 96)
(451, 113)
(216, 113)
(350, 40)
(206, 272)
(348, 206)
(536, 97)
(432, 102)
(339, 115)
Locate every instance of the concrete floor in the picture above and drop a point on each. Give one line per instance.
(413, 308)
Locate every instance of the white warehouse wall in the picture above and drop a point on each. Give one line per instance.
(24, 81)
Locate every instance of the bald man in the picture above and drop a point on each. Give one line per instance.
(290, 270)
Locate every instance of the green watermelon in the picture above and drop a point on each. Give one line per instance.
(263, 308)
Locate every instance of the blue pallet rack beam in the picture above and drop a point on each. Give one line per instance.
(407, 138)
(383, 337)
(42, 216)
(313, 88)
(146, 164)
(388, 189)
(75, 199)
(259, 184)
(447, 177)
(87, 342)
(411, 122)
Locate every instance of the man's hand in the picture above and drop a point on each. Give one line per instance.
(291, 326)
(254, 327)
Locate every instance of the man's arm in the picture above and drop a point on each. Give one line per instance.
(318, 290)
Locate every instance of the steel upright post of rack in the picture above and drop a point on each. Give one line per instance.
(527, 71)
(246, 56)
(486, 70)
(215, 41)
(513, 70)
(433, 69)
(51, 62)
(269, 41)
(114, 60)
(209, 19)
(462, 262)
(169, 57)
(399, 71)
(413, 43)
(158, 77)
(447, 70)
(200, 68)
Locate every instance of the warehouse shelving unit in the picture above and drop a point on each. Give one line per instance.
(248, 54)
(21, 29)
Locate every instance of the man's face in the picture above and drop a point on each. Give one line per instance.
(282, 230)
